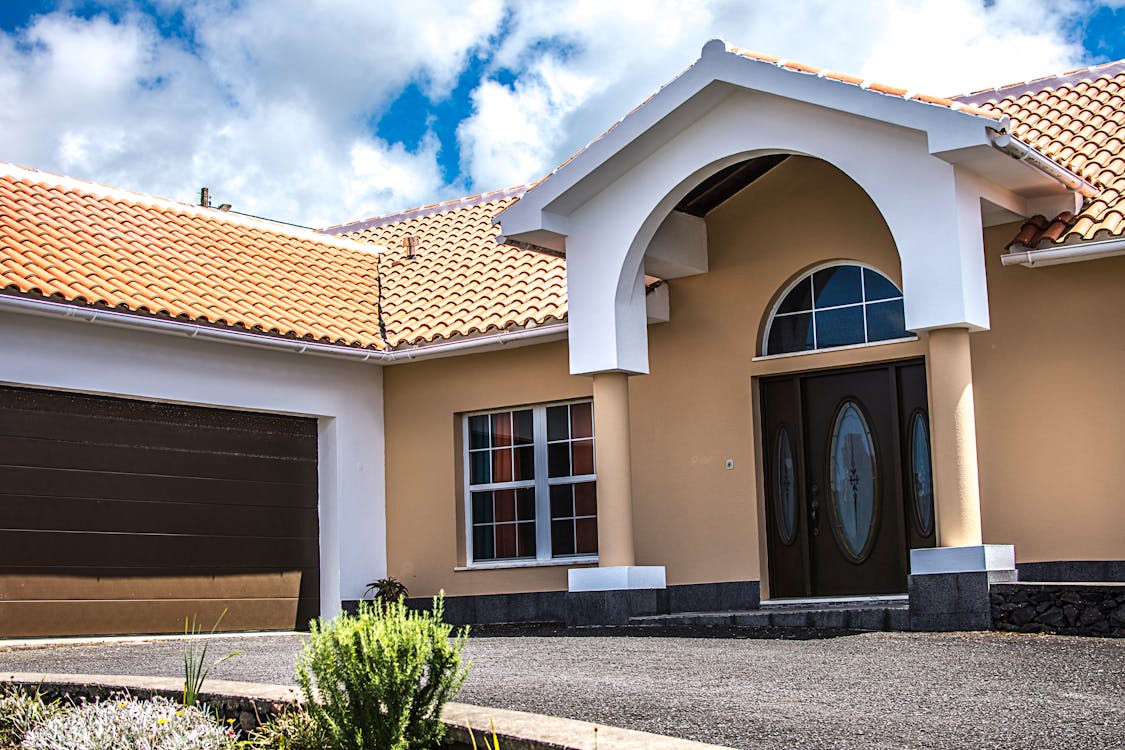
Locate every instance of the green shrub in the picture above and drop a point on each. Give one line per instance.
(380, 678)
(387, 589)
(289, 730)
(20, 712)
(196, 668)
(157, 724)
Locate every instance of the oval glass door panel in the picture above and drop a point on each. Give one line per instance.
(786, 490)
(852, 478)
(922, 474)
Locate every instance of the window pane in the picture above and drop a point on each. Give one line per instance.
(483, 547)
(525, 463)
(581, 420)
(790, 333)
(482, 507)
(502, 428)
(505, 505)
(502, 465)
(558, 427)
(583, 451)
(839, 285)
(525, 504)
(522, 430)
(586, 531)
(505, 540)
(562, 538)
(558, 460)
(877, 286)
(585, 499)
(480, 471)
(886, 320)
(478, 431)
(561, 505)
(798, 299)
(525, 539)
(839, 327)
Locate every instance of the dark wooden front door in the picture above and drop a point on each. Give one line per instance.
(848, 484)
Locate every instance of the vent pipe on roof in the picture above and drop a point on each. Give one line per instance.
(411, 244)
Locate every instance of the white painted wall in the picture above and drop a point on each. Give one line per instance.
(345, 397)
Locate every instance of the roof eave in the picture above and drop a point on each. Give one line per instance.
(539, 217)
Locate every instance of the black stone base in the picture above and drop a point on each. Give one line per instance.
(593, 607)
(953, 601)
(1066, 608)
(1073, 571)
(589, 608)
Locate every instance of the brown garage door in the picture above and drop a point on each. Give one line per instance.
(121, 516)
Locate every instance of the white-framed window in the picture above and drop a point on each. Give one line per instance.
(842, 304)
(530, 484)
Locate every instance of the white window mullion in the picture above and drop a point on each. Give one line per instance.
(863, 298)
(466, 494)
(542, 486)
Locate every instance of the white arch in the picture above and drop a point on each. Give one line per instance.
(931, 212)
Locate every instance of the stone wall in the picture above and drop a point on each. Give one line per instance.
(1067, 608)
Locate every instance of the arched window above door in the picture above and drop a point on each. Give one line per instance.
(838, 305)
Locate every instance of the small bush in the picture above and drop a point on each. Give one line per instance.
(387, 589)
(380, 678)
(20, 712)
(157, 724)
(289, 730)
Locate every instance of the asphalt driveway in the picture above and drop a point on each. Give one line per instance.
(875, 690)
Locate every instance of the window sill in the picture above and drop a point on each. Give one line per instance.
(783, 355)
(527, 564)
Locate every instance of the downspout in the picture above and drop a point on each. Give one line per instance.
(1022, 255)
(195, 331)
(1004, 142)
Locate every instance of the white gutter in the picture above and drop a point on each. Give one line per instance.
(196, 331)
(1021, 255)
(1020, 151)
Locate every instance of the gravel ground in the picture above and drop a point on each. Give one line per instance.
(874, 690)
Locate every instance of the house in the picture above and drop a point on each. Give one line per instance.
(780, 333)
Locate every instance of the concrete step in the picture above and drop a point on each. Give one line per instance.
(890, 616)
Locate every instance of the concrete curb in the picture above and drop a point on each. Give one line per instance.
(517, 730)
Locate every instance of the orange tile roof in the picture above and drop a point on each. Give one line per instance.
(1078, 120)
(880, 88)
(460, 282)
(83, 243)
(78, 242)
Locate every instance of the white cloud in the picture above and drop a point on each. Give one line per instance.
(617, 54)
(268, 102)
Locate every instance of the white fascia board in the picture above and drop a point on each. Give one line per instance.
(714, 77)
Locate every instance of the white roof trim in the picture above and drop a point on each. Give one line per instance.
(947, 127)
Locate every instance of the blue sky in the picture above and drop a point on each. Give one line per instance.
(323, 111)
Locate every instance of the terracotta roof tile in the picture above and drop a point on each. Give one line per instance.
(460, 282)
(880, 88)
(1077, 119)
(79, 242)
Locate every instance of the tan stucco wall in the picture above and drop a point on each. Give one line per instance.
(1049, 382)
(693, 412)
(425, 507)
(1051, 420)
